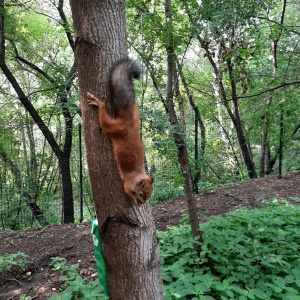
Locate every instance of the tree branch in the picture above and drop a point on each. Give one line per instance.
(268, 90)
(296, 129)
(30, 108)
(65, 24)
(283, 12)
(28, 63)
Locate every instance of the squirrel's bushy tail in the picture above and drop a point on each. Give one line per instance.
(121, 82)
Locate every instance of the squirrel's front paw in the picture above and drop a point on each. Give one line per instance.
(92, 100)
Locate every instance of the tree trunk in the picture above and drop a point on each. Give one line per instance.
(270, 162)
(264, 139)
(237, 122)
(67, 189)
(177, 133)
(230, 145)
(234, 115)
(129, 243)
(198, 121)
(281, 137)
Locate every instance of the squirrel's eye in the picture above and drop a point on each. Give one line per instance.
(141, 194)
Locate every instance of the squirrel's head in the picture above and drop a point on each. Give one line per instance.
(143, 189)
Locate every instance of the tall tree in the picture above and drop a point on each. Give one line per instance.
(222, 49)
(129, 243)
(177, 132)
(63, 155)
(166, 40)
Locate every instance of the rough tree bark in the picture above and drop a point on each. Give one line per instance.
(130, 246)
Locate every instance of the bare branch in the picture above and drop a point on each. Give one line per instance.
(283, 12)
(296, 129)
(268, 90)
(65, 24)
(30, 64)
(43, 90)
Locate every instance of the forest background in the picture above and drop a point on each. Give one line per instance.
(236, 100)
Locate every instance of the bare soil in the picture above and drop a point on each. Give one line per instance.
(74, 241)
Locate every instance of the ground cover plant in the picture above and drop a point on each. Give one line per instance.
(15, 260)
(74, 286)
(247, 254)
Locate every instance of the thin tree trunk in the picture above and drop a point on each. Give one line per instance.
(270, 161)
(234, 115)
(236, 119)
(199, 121)
(177, 133)
(179, 101)
(264, 140)
(129, 243)
(280, 151)
(230, 145)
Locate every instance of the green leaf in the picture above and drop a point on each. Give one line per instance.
(176, 295)
(206, 298)
(230, 293)
(275, 288)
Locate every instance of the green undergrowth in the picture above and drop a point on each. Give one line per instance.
(74, 286)
(248, 254)
(12, 261)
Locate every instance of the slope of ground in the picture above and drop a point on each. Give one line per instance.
(74, 241)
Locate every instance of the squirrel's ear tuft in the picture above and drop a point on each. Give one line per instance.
(142, 182)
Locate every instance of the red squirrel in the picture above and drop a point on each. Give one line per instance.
(124, 130)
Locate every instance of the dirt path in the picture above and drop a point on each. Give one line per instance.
(74, 242)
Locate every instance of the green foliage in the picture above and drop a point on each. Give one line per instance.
(8, 261)
(249, 254)
(23, 297)
(295, 199)
(74, 286)
(167, 185)
(242, 32)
